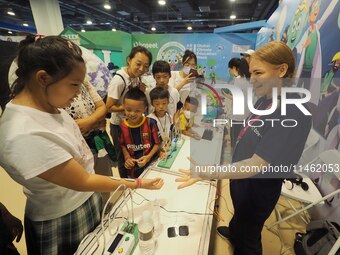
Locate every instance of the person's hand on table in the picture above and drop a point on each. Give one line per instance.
(186, 179)
(196, 136)
(155, 183)
(162, 154)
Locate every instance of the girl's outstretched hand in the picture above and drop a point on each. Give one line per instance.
(186, 179)
(155, 183)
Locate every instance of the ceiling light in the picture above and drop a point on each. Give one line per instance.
(10, 32)
(189, 27)
(83, 30)
(89, 22)
(114, 30)
(11, 12)
(162, 2)
(107, 5)
(25, 24)
(153, 29)
(232, 16)
(232, 0)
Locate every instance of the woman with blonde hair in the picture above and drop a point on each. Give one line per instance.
(264, 147)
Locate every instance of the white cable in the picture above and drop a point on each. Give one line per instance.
(123, 187)
(108, 216)
(85, 238)
(335, 247)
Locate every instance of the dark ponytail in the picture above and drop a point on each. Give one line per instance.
(28, 40)
(54, 54)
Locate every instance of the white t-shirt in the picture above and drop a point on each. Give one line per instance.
(33, 142)
(173, 101)
(186, 90)
(163, 123)
(117, 90)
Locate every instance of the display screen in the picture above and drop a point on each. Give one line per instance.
(115, 243)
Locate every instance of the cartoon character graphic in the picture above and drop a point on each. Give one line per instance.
(173, 57)
(171, 53)
(311, 57)
(212, 76)
(299, 22)
(199, 69)
(328, 86)
(204, 71)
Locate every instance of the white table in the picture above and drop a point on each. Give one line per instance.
(189, 206)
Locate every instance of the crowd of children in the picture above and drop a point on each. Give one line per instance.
(142, 137)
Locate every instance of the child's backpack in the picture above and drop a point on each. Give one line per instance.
(319, 239)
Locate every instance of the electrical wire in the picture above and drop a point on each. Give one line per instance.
(111, 216)
(170, 211)
(218, 196)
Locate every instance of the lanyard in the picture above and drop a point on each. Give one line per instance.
(163, 127)
(250, 118)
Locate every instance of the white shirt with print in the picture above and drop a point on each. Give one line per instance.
(32, 142)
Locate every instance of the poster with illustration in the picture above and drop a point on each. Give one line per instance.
(311, 28)
(213, 52)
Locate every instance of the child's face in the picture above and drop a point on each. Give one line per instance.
(134, 110)
(190, 107)
(62, 93)
(162, 79)
(161, 106)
